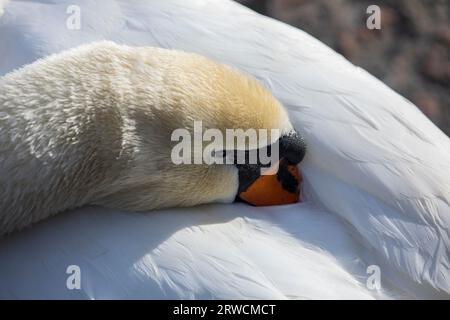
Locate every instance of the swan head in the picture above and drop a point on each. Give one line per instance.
(178, 129)
(140, 128)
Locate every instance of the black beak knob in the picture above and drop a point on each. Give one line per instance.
(292, 147)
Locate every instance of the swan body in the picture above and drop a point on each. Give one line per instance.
(376, 177)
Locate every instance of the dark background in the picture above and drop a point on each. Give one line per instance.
(410, 52)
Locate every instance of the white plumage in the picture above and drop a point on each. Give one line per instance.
(377, 176)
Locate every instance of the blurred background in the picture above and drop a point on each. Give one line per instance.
(410, 53)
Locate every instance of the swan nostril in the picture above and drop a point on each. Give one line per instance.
(292, 147)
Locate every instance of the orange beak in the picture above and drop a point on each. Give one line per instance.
(279, 187)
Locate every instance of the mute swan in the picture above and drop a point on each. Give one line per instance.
(376, 176)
